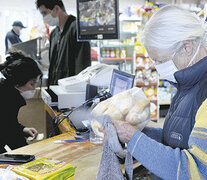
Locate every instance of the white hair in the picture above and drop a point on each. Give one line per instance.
(170, 27)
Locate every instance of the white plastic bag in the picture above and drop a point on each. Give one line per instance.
(7, 174)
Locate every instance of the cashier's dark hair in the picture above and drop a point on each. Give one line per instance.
(50, 4)
(19, 69)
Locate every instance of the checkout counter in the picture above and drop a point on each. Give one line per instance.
(84, 155)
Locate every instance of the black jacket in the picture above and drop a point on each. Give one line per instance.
(11, 38)
(67, 56)
(11, 131)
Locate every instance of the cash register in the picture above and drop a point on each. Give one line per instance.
(71, 91)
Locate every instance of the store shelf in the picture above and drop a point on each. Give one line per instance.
(117, 59)
(153, 100)
(138, 68)
(164, 102)
(131, 20)
(128, 33)
(117, 45)
(146, 84)
(141, 55)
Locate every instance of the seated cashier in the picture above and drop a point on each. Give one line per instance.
(20, 77)
(175, 40)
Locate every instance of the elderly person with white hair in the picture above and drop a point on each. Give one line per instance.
(175, 40)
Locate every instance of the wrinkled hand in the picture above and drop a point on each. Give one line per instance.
(31, 131)
(103, 130)
(124, 130)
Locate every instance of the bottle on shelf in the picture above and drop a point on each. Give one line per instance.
(108, 53)
(113, 55)
(117, 53)
(123, 53)
(103, 52)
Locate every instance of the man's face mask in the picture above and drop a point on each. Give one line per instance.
(50, 20)
(167, 69)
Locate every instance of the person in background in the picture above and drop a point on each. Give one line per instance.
(12, 37)
(175, 40)
(67, 56)
(20, 77)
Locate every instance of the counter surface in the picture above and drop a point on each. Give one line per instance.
(84, 155)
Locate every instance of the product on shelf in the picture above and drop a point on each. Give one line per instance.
(94, 53)
(148, 63)
(108, 54)
(112, 54)
(151, 93)
(154, 76)
(166, 91)
(138, 46)
(117, 53)
(139, 62)
(129, 41)
(123, 52)
(139, 76)
(130, 27)
(103, 53)
(164, 95)
(153, 110)
(147, 75)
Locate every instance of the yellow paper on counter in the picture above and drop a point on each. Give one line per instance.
(46, 169)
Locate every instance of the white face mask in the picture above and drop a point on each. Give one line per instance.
(51, 21)
(28, 94)
(167, 69)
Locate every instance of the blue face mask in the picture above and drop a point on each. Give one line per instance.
(167, 69)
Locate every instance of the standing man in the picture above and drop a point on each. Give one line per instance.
(12, 37)
(67, 56)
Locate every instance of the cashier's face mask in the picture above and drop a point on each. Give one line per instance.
(28, 94)
(50, 20)
(167, 69)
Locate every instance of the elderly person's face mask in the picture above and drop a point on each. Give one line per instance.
(167, 69)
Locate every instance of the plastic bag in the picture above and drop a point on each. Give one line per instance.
(131, 106)
(8, 174)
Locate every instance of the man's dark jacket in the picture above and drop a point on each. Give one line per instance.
(13, 38)
(67, 56)
(11, 131)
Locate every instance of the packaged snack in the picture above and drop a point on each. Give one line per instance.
(154, 76)
(150, 93)
(147, 75)
(139, 62)
(139, 76)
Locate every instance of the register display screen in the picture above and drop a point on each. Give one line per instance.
(120, 82)
(97, 19)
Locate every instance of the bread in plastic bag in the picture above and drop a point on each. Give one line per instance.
(131, 106)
